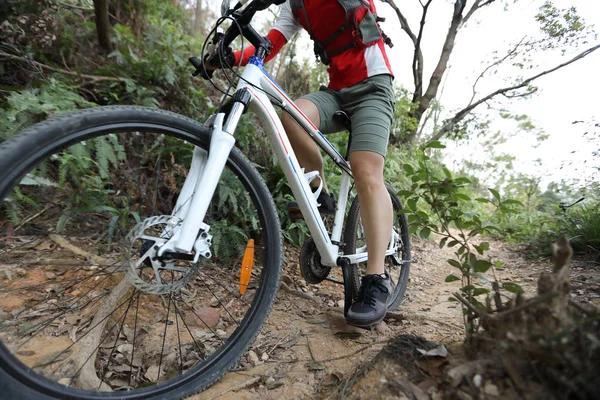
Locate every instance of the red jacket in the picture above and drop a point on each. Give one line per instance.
(327, 16)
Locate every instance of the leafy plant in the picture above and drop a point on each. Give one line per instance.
(26, 107)
(436, 203)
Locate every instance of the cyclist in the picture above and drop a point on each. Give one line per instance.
(348, 39)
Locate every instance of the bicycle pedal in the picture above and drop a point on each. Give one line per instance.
(295, 215)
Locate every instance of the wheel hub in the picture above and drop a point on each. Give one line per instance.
(148, 271)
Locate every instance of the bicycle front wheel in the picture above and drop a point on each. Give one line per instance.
(397, 265)
(87, 308)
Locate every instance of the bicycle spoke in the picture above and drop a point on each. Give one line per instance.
(101, 341)
(115, 344)
(68, 319)
(202, 320)
(162, 350)
(220, 303)
(187, 327)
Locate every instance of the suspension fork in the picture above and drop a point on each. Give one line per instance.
(203, 177)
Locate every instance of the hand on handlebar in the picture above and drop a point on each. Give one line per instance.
(214, 58)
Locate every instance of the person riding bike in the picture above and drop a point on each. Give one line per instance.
(347, 38)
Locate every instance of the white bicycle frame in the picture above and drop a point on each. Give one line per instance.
(206, 169)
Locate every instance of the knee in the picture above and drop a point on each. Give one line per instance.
(368, 172)
(368, 178)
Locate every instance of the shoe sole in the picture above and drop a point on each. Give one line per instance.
(364, 324)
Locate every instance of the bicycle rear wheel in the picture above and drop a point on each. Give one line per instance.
(86, 313)
(355, 242)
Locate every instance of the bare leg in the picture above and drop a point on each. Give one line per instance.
(306, 150)
(376, 211)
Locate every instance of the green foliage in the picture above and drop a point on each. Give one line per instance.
(441, 203)
(563, 25)
(26, 107)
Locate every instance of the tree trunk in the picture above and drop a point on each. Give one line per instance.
(103, 25)
(423, 102)
(198, 17)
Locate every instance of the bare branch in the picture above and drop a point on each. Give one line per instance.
(95, 78)
(424, 102)
(500, 61)
(476, 6)
(465, 111)
(417, 64)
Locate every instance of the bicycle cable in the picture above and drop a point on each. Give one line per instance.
(231, 81)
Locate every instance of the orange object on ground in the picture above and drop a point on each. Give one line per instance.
(247, 263)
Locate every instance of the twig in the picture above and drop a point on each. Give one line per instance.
(470, 306)
(367, 347)
(310, 348)
(88, 10)
(31, 218)
(588, 311)
(241, 386)
(296, 292)
(75, 7)
(532, 302)
(360, 350)
(65, 244)
(95, 78)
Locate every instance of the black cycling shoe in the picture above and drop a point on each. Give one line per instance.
(325, 201)
(371, 305)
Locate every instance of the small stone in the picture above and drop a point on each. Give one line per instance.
(5, 275)
(269, 380)
(382, 328)
(330, 303)
(264, 357)
(152, 373)
(253, 357)
(323, 292)
(340, 303)
(302, 283)
(20, 272)
(65, 381)
(215, 303)
(477, 380)
(204, 317)
(75, 292)
(491, 389)
(50, 275)
(221, 332)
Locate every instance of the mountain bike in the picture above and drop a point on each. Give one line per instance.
(146, 250)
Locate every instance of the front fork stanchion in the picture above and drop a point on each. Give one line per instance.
(348, 287)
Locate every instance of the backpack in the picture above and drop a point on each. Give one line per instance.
(365, 31)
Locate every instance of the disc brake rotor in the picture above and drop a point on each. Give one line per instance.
(143, 268)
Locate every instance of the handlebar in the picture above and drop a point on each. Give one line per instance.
(241, 26)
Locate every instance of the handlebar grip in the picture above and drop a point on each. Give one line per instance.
(200, 69)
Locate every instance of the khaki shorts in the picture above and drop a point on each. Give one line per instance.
(370, 106)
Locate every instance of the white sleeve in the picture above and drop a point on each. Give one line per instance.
(286, 23)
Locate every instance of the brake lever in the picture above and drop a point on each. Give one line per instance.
(200, 68)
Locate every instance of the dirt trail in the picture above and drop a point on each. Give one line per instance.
(303, 338)
(306, 349)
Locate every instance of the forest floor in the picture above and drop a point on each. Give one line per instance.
(307, 351)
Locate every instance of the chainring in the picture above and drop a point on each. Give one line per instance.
(143, 268)
(310, 263)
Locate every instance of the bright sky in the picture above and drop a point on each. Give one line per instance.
(567, 95)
